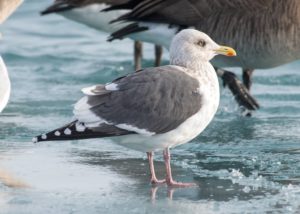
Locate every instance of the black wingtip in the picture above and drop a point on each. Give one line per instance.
(240, 92)
(45, 12)
(126, 6)
(115, 7)
(56, 8)
(110, 39)
(63, 133)
(78, 131)
(129, 29)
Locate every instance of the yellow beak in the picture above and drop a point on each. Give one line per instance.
(227, 51)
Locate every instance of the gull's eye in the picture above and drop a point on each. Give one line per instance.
(201, 43)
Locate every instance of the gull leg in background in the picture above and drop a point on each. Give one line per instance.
(138, 54)
(239, 90)
(169, 179)
(153, 180)
(158, 55)
(247, 78)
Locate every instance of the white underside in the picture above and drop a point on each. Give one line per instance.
(4, 85)
(92, 16)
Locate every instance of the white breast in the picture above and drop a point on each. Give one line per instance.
(4, 85)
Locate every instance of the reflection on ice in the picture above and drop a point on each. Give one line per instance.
(9, 180)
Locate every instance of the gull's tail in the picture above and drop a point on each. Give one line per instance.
(77, 131)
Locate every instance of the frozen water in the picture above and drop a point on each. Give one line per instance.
(242, 165)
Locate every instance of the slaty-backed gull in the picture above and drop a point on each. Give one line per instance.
(154, 109)
(88, 12)
(265, 32)
(7, 7)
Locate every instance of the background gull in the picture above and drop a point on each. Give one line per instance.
(155, 109)
(7, 7)
(266, 33)
(88, 12)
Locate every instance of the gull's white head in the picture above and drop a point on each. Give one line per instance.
(190, 46)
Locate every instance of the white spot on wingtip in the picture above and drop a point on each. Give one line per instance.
(44, 136)
(112, 87)
(88, 90)
(34, 140)
(57, 133)
(67, 131)
(80, 127)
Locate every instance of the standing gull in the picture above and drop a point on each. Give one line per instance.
(88, 12)
(266, 32)
(7, 7)
(154, 109)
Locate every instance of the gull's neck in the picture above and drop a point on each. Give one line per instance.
(195, 67)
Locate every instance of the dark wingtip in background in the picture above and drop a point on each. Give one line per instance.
(56, 8)
(129, 29)
(239, 90)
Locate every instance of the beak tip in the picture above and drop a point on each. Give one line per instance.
(231, 54)
(227, 51)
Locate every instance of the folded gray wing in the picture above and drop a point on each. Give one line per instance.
(155, 100)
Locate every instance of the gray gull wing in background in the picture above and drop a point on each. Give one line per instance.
(191, 11)
(153, 101)
(88, 12)
(64, 5)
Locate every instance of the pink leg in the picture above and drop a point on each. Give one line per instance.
(154, 180)
(169, 180)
